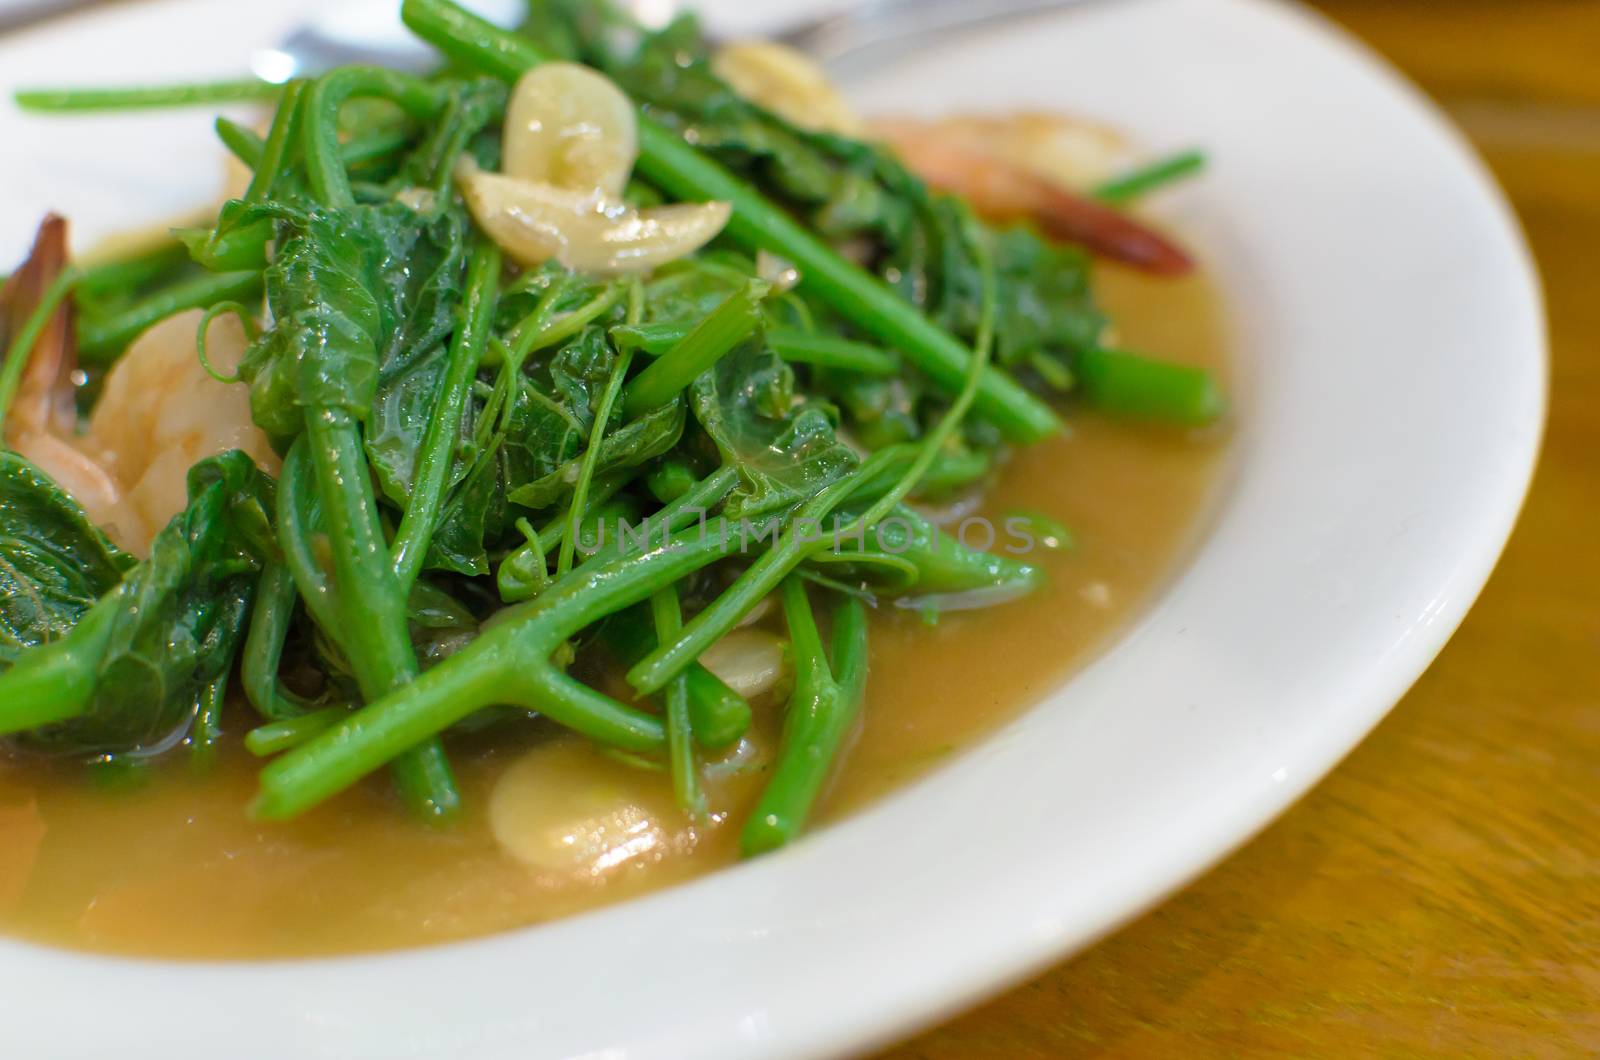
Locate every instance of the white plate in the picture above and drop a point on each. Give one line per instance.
(1392, 352)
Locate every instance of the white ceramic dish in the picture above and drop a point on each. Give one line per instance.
(1393, 371)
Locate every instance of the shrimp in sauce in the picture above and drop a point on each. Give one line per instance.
(1023, 168)
(159, 413)
(1027, 166)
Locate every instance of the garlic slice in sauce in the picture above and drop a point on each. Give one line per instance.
(585, 231)
(569, 126)
(749, 661)
(787, 82)
(573, 816)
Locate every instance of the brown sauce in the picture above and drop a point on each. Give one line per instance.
(170, 865)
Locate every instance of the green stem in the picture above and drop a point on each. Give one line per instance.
(601, 489)
(325, 165)
(763, 576)
(56, 681)
(708, 342)
(285, 123)
(539, 329)
(427, 784)
(244, 144)
(654, 338)
(943, 565)
(370, 599)
(270, 618)
(591, 460)
(525, 572)
(247, 322)
(827, 351)
(1146, 179)
(247, 147)
(794, 346)
(718, 715)
(277, 736)
(207, 730)
(101, 340)
(368, 593)
(677, 168)
(824, 707)
(934, 442)
(508, 663)
(128, 98)
(438, 452)
(668, 619)
(299, 521)
(119, 276)
(227, 246)
(860, 297)
(1127, 384)
(363, 741)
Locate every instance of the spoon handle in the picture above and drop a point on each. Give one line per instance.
(878, 22)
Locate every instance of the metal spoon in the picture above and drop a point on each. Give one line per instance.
(370, 31)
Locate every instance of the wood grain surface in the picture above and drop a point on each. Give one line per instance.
(1439, 894)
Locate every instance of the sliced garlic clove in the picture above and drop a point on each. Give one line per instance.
(644, 239)
(572, 816)
(422, 200)
(781, 273)
(531, 222)
(586, 232)
(569, 126)
(749, 661)
(760, 611)
(787, 82)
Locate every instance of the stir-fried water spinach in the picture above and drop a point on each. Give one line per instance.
(493, 466)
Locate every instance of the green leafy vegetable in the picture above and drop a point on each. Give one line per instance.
(783, 446)
(677, 168)
(496, 475)
(54, 564)
(137, 666)
(825, 703)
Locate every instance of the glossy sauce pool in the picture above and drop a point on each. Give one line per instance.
(168, 864)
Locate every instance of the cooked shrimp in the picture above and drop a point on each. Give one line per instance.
(159, 413)
(42, 413)
(1008, 173)
(43, 400)
(1065, 150)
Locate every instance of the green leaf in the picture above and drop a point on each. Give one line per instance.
(54, 564)
(168, 631)
(632, 444)
(425, 292)
(856, 193)
(360, 301)
(533, 462)
(782, 444)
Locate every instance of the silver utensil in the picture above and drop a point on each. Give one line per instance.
(863, 27)
(15, 14)
(369, 31)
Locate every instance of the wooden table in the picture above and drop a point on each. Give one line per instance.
(1439, 894)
